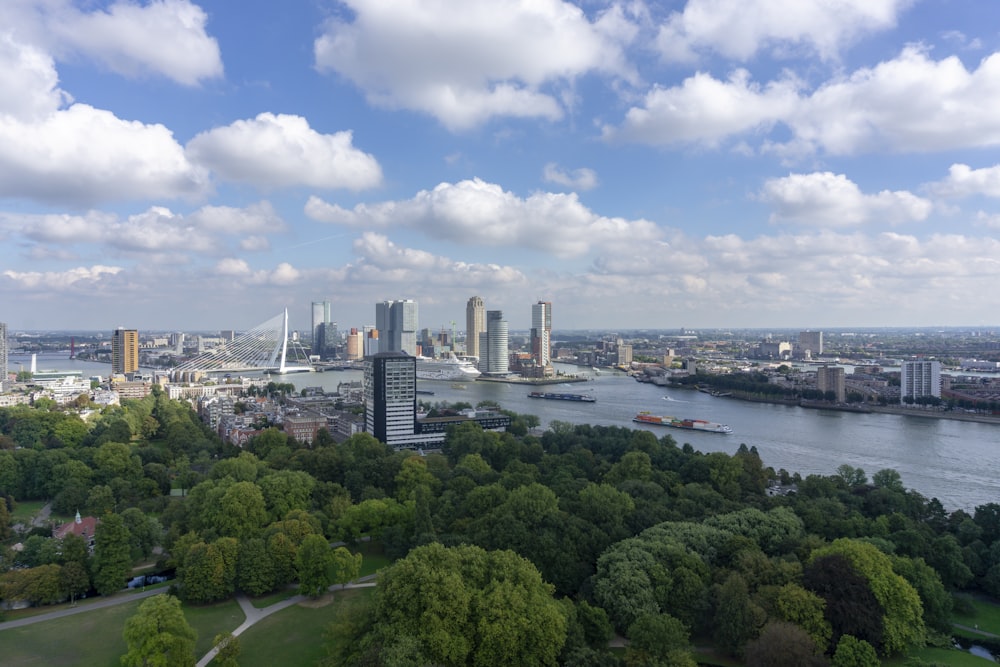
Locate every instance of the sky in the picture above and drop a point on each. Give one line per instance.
(201, 165)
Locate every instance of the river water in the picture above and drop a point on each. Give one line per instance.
(954, 461)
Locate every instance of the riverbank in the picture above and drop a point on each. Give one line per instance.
(532, 381)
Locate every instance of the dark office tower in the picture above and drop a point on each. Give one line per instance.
(320, 316)
(396, 322)
(391, 400)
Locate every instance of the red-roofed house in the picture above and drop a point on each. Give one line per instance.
(81, 526)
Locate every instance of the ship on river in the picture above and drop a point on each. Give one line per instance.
(675, 422)
(561, 396)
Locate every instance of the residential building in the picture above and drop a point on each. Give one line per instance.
(832, 378)
(493, 345)
(304, 427)
(475, 324)
(4, 381)
(541, 333)
(124, 351)
(355, 345)
(396, 322)
(391, 401)
(919, 379)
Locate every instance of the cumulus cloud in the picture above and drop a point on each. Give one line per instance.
(706, 110)
(465, 63)
(60, 280)
(908, 104)
(578, 179)
(832, 200)
(475, 212)
(29, 85)
(280, 150)
(156, 230)
(964, 181)
(739, 29)
(283, 274)
(161, 37)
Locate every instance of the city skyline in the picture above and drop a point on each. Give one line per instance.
(711, 163)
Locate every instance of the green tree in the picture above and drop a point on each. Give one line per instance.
(854, 652)
(203, 575)
(659, 639)
(112, 554)
(158, 635)
(254, 569)
(344, 566)
(313, 564)
(783, 645)
(737, 618)
(75, 580)
(242, 513)
(229, 650)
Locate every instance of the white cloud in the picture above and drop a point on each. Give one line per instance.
(740, 29)
(164, 37)
(60, 280)
(706, 110)
(465, 63)
(231, 266)
(475, 212)
(832, 200)
(964, 181)
(29, 84)
(578, 179)
(282, 150)
(85, 155)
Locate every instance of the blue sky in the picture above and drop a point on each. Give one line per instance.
(712, 163)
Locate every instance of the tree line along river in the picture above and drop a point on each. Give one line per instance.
(956, 462)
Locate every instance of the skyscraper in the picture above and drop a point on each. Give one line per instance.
(475, 324)
(124, 351)
(918, 379)
(3, 357)
(390, 387)
(320, 316)
(811, 342)
(541, 333)
(396, 322)
(493, 345)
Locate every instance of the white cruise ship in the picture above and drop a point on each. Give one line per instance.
(446, 368)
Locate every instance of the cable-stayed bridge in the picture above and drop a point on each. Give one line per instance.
(263, 348)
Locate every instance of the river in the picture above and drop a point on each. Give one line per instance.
(956, 462)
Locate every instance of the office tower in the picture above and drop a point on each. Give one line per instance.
(493, 345)
(541, 333)
(390, 387)
(832, 378)
(320, 316)
(355, 345)
(327, 340)
(811, 343)
(475, 324)
(919, 379)
(124, 351)
(3, 357)
(396, 322)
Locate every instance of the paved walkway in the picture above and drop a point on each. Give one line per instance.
(116, 599)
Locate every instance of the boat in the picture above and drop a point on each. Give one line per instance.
(562, 396)
(446, 368)
(674, 422)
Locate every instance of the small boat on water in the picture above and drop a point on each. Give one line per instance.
(562, 396)
(675, 422)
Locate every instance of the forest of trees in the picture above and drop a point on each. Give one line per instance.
(508, 549)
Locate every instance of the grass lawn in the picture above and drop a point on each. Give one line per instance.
(373, 557)
(95, 637)
(941, 656)
(985, 614)
(271, 598)
(25, 510)
(292, 636)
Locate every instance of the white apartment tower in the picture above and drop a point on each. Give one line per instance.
(493, 345)
(541, 333)
(475, 324)
(919, 378)
(396, 322)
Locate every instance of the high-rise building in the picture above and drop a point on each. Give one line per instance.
(371, 343)
(355, 345)
(327, 340)
(390, 387)
(124, 351)
(3, 357)
(494, 354)
(918, 379)
(811, 343)
(832, 378)
(320, 316)
(396, 322)
(475, 324)
(541, 333)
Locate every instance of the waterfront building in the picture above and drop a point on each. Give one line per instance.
(327, 340)
(320, 316)
(475, 324)
(396, 322)
(832, 378)
(355, 345)
(493, 345)
(919, 379)
(390, 387)
(370, 341)
(541, 333)
(124, 351)
(811, 343)
(4, 381)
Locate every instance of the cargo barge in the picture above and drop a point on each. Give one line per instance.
(554, 396)
(689, 424)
